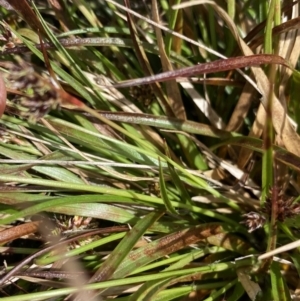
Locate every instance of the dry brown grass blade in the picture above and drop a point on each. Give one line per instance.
(289, 48)
(173, 92)
(23, 8)
(281, 123)
(241, 110)
(251, 287)
(277, 30)
(237, 118)
(18, 231)
(203, 105)
(210, 67)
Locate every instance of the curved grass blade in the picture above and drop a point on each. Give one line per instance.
(50, 258)
(207, 68)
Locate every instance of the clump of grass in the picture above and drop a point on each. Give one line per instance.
(116, 185)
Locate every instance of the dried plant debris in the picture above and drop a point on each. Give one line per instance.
(143, 94)
(285, 208)
(8, 38)
(66, 223)
(35, 96)
(253, 220)
(154, 189)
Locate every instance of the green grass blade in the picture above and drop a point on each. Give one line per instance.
(279, 287)
(108, 268)
(164, 192)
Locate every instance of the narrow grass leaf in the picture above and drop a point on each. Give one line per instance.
(279, 287)
(175, 23)
(170, 123)
(50, 258)
(174, 293)
(117, 256)
(222, 291)
(238, 292)
(164, 192)
(184, 195)
(296, 260)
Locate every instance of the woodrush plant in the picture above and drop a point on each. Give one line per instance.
(116, 185)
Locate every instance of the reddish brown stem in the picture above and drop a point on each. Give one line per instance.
(18, 231)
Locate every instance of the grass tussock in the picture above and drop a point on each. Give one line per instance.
(149, 150)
